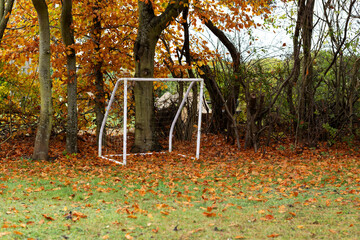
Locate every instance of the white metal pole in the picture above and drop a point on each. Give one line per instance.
(125, 122)
(199, 120)
(177, 116)
(105, 117)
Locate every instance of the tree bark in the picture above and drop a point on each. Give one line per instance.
(98, 73)
(306, 102)
(41, 148)
(226, 121)
(149, 30)
(5, 11)
(67, 34)
(189, 129)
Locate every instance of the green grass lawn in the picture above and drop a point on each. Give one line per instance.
(166, 197)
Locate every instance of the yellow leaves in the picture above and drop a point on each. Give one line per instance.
(4, 233)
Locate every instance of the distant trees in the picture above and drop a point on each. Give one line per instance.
(313, 92)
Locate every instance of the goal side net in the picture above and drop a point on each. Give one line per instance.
(119, 120)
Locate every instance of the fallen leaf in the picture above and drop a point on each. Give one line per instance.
(48, 217)
(4, 233)
(274, 235)
(207, 214)
(18, 233)
(128, 236)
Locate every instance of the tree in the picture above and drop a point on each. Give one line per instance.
(5, 11)
(41, 148)
(149, 30)
(67, 34)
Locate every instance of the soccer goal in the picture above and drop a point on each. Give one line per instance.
(172, 108)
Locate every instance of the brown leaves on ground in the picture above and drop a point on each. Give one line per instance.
(222, 173)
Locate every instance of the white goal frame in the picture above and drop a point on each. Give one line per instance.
(125, 80)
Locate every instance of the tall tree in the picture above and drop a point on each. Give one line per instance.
(67, 34)
(5, 11)
(149, 30)
(41, 148)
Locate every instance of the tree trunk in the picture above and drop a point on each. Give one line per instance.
(67, 34)
(149, 30)
(5, 11)
(226, 121)
(99, 77)
(41, 148)
(192, 109)
(306, 103)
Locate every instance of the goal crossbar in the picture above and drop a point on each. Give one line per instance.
(125, 81)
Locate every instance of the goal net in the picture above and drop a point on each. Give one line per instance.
(178, 106)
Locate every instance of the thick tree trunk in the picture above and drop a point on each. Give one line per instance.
(67, 34)
(41, 148)
(5, 11)
(149, 30)
(144, 100)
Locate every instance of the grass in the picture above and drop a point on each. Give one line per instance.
(239, 196)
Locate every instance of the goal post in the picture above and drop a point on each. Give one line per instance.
(125, 81)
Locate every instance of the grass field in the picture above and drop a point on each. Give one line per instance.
(224, 195)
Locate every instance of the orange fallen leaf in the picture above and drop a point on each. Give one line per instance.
(105, 237)
(132, 216)
(207, 214)
(18, 233)
(239, 237)
(164, 212)
(332, 231)
(155, 230)
(274, 235)
(292, 213)
(48, 217)
(267, 217)
(128, 236)
(79, 214)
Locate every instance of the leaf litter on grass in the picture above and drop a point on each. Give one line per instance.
(246, 195)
